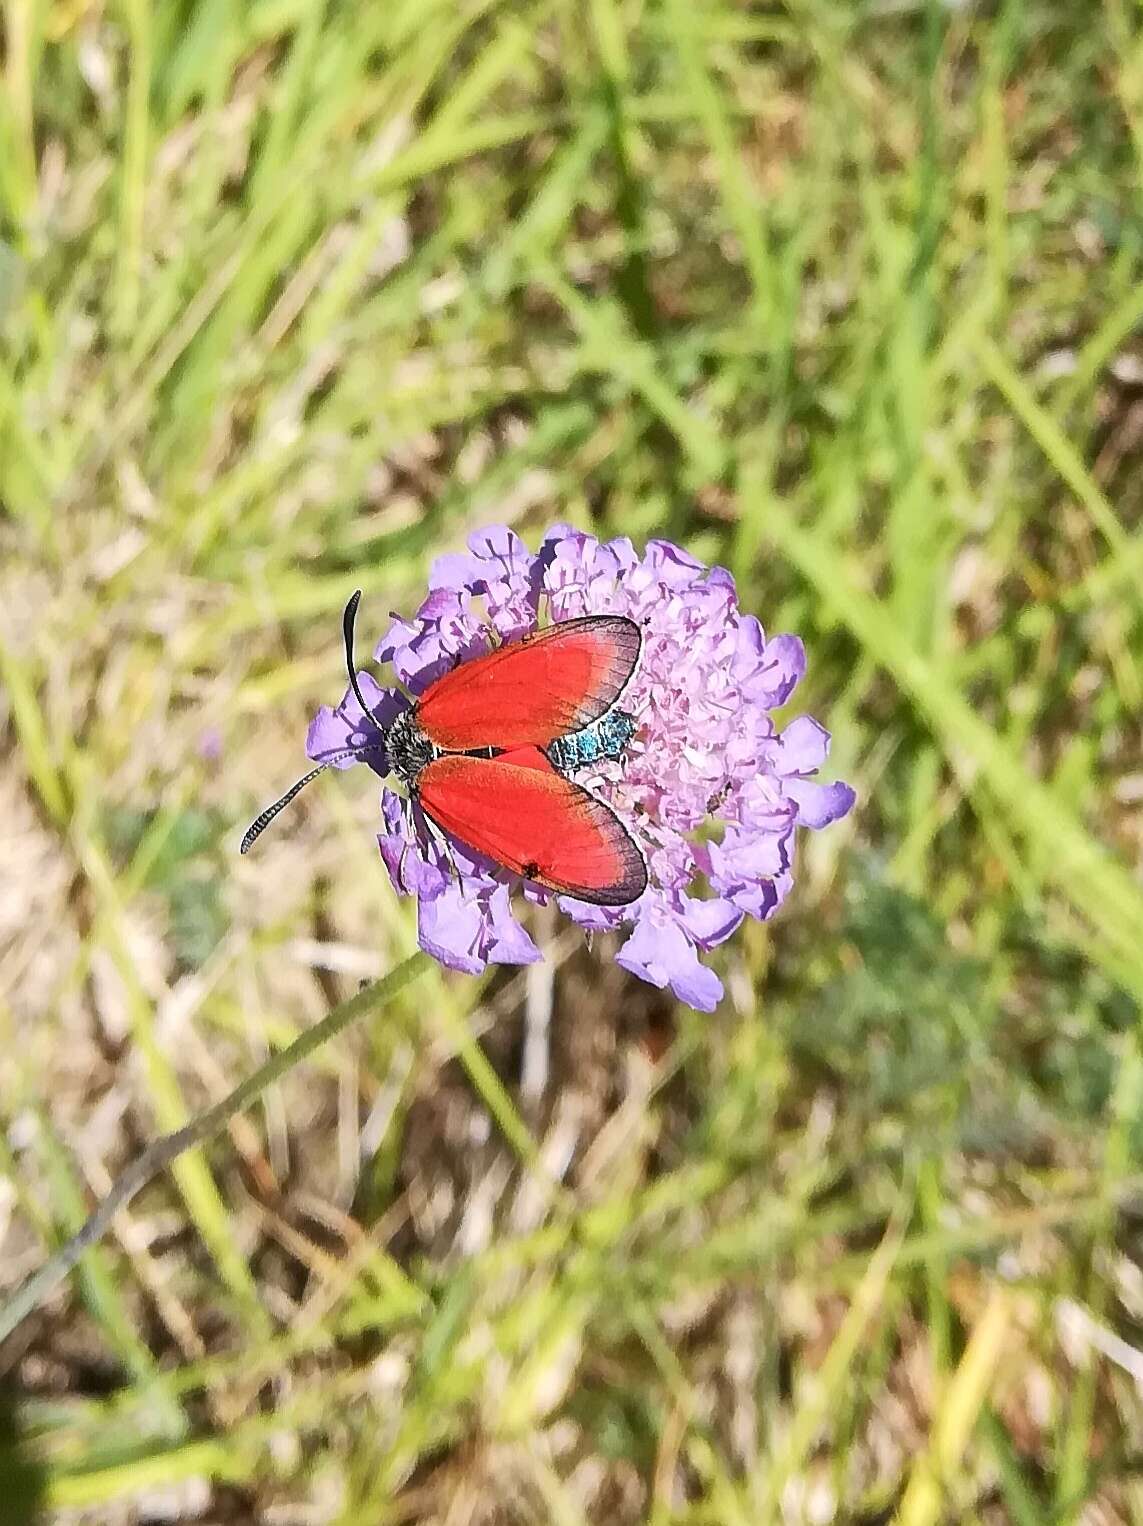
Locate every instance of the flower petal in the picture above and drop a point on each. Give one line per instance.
(593, 919)
(506, 942)
(803, 747)
(819, 804)
(784, 668)
(455, 571)
(674, 566)
(709, 923)
(661, 953)
(449, 928)
(348, 727)
(498, 542)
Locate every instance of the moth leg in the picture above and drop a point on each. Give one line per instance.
(446, 846)
(438, 835)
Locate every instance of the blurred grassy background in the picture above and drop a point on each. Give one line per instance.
(845, 296)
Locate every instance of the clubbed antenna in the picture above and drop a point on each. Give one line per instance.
(348, 620)
(260, 823)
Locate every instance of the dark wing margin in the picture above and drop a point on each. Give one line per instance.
(527, 692)
(532, 820)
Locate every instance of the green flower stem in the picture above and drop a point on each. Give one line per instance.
(163, 1152)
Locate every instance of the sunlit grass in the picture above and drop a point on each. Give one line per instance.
(844, 296)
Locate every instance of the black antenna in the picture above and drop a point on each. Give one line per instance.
(348, 620)
(260, 823)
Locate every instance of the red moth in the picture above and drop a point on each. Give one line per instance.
(483, 751)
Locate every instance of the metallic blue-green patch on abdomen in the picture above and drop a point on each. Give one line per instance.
(604, 738)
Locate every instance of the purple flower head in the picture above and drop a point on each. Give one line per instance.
(708, 787)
